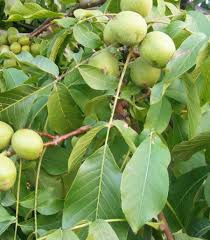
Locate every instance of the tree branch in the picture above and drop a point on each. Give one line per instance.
(164, 226)
(59, 139)
(84, 5)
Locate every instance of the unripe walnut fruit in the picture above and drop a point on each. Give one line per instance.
(6, 133)
(3, 38)
(143, 74)
(106, 61)
(35, 49)
(12, 30)
(4, 49)
(24, 40)
(8, 173)
(12, 38)
(128, 28)
(27, 144)
(142, 7)
(108, 34)
(15, 48)
(157, 48)
(26, 48)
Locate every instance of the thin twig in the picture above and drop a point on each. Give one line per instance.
(36, 194)
(87, 4)
(59, 139)
(164, 226)
(18, 199)
(45, 134)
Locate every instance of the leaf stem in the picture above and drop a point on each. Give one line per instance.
(36, 194)
(110, 122)
(18, 199)
(164, 226)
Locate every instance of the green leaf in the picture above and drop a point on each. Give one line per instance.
(127, 133)
(14, 77)
(197, 22)
(95, 193)
(66, 22)
(40, 63)
(183, 192)
(81, 147)
(199, 228)
(55, 160)
(25, 11)
(4, 215)
(5, 219)
(64, 115)
(101, 230)
(85, 37)
(158, 116)
(46, 65)
(96, 79)
(146, 180)
(15, 105)
(185, 150)
(184, 236)
(56, 44)
(207, 190)
(193, 106)
(185, 57)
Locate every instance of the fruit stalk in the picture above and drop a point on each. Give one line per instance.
(59, 139)
(164, 226)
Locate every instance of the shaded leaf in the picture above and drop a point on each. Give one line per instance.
(95, 193)
(64, 115)
(127, 133)
(81, 147)
(186, 149)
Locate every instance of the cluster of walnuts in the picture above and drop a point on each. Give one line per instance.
(129, 28)
(12, 40)
(26, 143)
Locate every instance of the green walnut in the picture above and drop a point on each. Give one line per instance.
(3, 38)
(27, 144)
(4, 49)
(157, 49)
(9, 63)
(128, 28)
(108, 34)
(12, 31)
(15, 47)
(12, 38)
(26, 48)
(143, 74)
(6, 133)
(142, 7)
(24, 40)
(105, 61)
(8, 173)
(35, 49)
